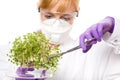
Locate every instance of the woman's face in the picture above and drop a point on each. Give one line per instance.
(68, 15)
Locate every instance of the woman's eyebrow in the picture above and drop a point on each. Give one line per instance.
(49, 12)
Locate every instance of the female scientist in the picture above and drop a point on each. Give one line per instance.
(100, 62)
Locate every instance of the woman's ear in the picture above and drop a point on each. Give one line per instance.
(38, 6)
(78, 11)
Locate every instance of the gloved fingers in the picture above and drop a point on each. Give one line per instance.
(88, 36)
(30, 69)
(93, 42)
(21, 70)
(91, 36)
(87, 48)
(43, 72)
(100, 30)
(82, 42)
(94, 32)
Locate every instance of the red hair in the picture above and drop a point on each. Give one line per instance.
(49, 4)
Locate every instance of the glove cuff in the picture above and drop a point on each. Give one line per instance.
(113, 23)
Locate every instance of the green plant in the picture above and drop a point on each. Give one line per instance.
(33, 49)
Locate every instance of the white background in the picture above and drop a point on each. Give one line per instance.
(16, 18)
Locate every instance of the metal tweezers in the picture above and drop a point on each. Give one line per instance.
(78, 47)
(70, 50)
(75, 48)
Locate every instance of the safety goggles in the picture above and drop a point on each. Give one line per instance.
(63, 16)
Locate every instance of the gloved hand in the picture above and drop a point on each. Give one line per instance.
(96, 32)
(22, 73)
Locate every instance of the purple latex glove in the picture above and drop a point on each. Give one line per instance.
(96, 32)
(22, 73)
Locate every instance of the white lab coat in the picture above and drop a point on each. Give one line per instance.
(100, 63)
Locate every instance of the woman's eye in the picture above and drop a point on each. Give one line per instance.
(48, 16)
(66, 18)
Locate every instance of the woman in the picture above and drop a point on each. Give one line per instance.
(57, 18)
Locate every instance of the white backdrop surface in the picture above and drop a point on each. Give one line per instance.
(16, 18)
